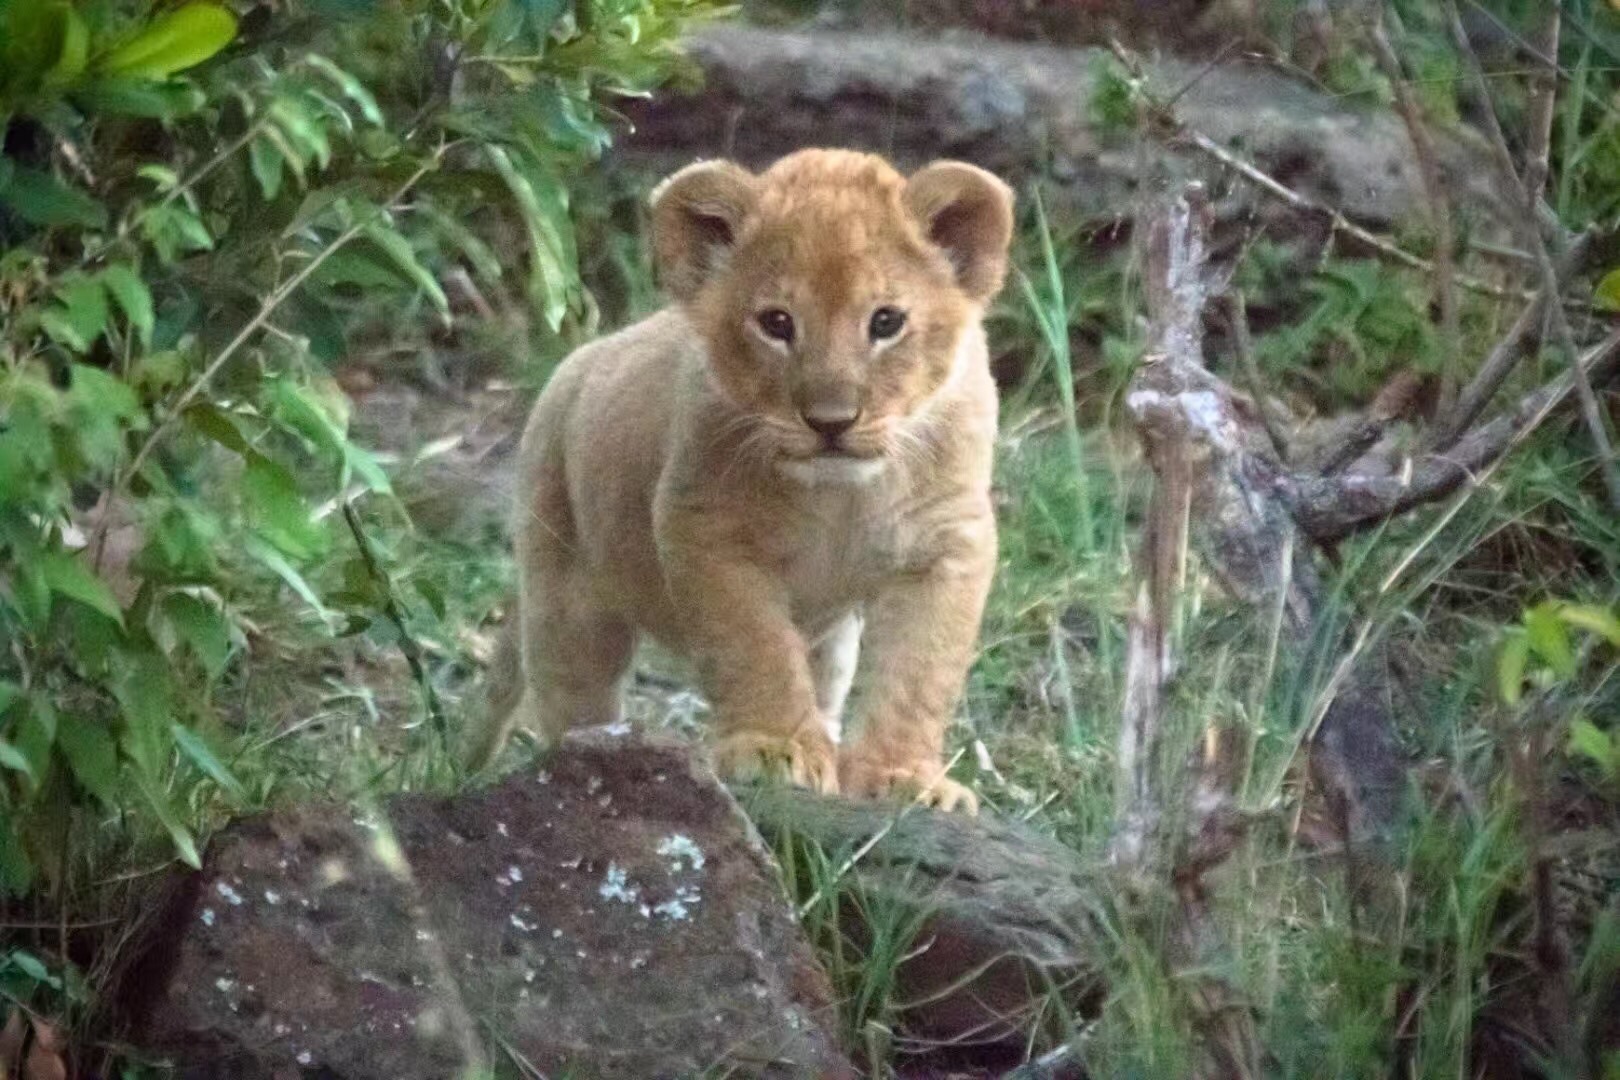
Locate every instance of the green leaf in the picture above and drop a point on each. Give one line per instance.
(350, 86)
(277, 509)
(1590, 617)
(1510, 664)
(364, 464)
(102, 393)
(174, 230)
(146, 698)
(266, 161)
(432, 594)
(1549, 640)
(16, 871)
(67, 575)
(1589, 741)
(163, 178)
(321, 420)
(185, 845)
(1606, 296)
(219, 426)
(70, 61)
(33, 967)
(486, 266)
(101, 407)
(397, 248)
(551, 273)
(158, 370)
(30, 36)
(278, 563)
(91, 755)
(55, 322)
(202, 628)
(301, 129)
(357, 268)
(134, 298)
(84, 304)
(192, 745)
(36, 735)
(124, 96)
(13, 759)
(174, 41)
(39, 198)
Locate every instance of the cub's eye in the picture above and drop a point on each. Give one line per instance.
(886, 323)
(777, 324)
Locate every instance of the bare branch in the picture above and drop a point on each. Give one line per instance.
(1525, 220)
(1543, 104)
(1335, 218)
(1331, 508)
(1237, 313)
(1521, 339)
(1503, 358)
(1177, 290)
(1434, 189)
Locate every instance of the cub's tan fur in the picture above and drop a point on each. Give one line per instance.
(774, 498)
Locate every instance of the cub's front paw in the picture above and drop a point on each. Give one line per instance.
(924, 782)
(807, 758)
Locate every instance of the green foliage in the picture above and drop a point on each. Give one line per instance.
(1547, 650)
(1363, 322)
(196, 215)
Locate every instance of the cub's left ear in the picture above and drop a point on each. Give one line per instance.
(968, 213)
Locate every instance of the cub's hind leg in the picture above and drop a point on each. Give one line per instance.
(559, 664)
(575, 658)
(562, 659)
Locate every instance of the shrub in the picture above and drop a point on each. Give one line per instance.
(195, 204)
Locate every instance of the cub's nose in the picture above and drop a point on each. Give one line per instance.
(830, 421)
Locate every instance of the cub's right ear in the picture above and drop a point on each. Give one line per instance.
(697, 215)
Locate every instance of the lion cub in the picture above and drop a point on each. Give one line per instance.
(787, 469)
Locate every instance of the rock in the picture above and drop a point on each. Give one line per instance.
(614, 915)
(1007, 917)
(1027, 110)
(1184, 26)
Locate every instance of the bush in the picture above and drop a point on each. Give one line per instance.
(195, 206)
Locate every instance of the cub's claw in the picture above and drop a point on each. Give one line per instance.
(925, 783)
(807, 758)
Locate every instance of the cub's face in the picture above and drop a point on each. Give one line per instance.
(834, 295)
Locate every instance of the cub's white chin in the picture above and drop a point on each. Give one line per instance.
(832, 469)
